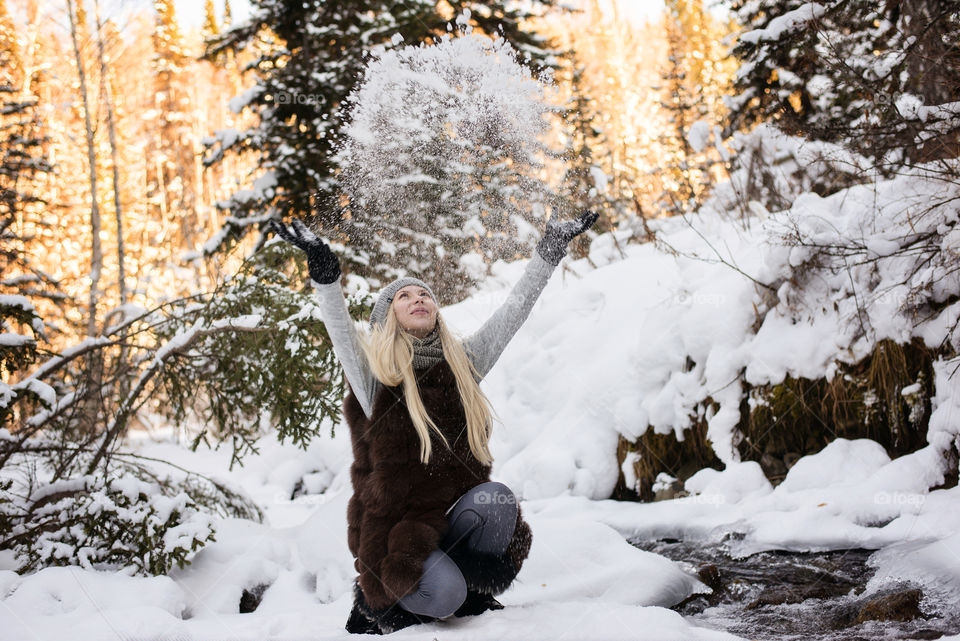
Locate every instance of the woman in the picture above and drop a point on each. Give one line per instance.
(431, 535)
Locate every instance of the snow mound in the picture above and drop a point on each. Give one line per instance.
(737, 481)
(576, 560)
(841, 462)
(70, 590)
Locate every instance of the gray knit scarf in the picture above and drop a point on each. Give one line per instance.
(427, 351)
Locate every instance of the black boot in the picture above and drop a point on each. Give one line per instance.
(358, 623)
(477, 603)
(396, 618)
(365, 620)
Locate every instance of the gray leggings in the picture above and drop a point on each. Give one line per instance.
(483, 519)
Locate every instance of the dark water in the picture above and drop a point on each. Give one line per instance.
(787, 596)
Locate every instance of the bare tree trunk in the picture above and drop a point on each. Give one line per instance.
(118, 211)
(29, 61)
(96, 254)
(94, 373)
(111, 127)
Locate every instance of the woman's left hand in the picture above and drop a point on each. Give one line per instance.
(553, 246)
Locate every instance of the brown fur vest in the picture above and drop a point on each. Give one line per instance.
(397, 514)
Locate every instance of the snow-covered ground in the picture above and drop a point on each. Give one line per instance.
(582, 579)
(602, 354)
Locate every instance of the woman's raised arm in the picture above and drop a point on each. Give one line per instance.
(488, 343)
(325, 273)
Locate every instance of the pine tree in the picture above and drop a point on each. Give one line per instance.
(874, 76)
(584, 184)
(69, 494)
(695, 82)
(317, 53)
(172, 188)
(680, 183)
(23, 162)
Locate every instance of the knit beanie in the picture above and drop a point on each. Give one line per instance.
(379, 314)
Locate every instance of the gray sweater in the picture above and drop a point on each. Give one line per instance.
(484, 347)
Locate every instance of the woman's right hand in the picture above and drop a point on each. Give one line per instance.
(323, 264)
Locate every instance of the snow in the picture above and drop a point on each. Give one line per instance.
(580, 580)
(44, 392)
(69, 590)
(782, 24)
(842, 461)
(631, 338)
(699, 135)
(15, 300)
(733, 484)
(601, 355)
(449, 140)
(933, 566)
(14, 340)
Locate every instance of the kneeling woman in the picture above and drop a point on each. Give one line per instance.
(431, 534)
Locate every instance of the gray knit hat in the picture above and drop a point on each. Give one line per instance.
(385, 298)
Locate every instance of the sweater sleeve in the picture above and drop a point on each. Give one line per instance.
(488, 343)
(346, 343)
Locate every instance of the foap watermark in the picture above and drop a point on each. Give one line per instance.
(714, 299)
(899, 299)
(711, 499)
(290, 98)
(495, 497)
(899, 498)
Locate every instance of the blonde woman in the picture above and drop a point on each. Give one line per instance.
(431, 535)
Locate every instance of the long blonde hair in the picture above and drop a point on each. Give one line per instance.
(389, 351)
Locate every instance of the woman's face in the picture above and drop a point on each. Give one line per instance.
(416, 312)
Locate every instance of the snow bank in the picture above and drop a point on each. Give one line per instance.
(646, 337)
(870, 502)
(55, 591)
(57, 603)
(578, 560)
(933, 566)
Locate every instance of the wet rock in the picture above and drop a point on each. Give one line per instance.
(709, 574)
(802, 584)
(927, 633)
(790, 458)
(667, 487)
(773, 467)
(902, 605)
(250, 599)
(760, 595)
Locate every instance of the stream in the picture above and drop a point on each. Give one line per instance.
(787, 596)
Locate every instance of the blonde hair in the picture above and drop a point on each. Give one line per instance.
(389, 351)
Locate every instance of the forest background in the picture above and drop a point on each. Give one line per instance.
(142, 162)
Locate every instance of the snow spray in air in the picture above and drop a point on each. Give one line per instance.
(442, 155)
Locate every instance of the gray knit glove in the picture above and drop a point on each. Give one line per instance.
(323, 264)
(553, 246)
